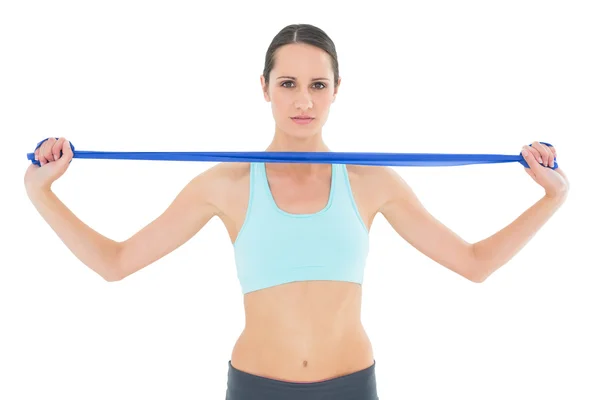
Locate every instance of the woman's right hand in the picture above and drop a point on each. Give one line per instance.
(52, 164)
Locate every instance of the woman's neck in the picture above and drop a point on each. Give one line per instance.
(286, 143)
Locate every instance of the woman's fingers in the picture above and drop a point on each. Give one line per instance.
(544, 153)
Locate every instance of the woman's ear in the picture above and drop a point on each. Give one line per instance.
(335, 91)
(265, 88)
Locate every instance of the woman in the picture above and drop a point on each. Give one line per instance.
(300, 234)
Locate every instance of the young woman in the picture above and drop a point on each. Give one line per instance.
(300, 234)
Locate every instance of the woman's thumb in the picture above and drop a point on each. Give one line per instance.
(530, 159)
(67, 152)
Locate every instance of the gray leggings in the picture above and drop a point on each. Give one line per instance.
(360, 385)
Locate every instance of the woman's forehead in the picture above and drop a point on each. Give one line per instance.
(302, 62)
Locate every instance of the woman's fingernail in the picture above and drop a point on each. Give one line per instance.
(525, 153)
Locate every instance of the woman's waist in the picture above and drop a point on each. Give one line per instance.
(304, 355)
(305, 332)
(303, 324)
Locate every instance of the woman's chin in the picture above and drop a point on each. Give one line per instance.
(300, 131)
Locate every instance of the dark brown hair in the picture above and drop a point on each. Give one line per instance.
(301, 33)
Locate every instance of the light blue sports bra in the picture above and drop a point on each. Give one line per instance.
(274, 247)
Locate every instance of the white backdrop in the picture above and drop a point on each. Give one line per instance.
(448, 77)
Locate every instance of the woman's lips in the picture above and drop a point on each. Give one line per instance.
(302, 121)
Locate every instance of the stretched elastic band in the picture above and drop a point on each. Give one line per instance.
(384, 159)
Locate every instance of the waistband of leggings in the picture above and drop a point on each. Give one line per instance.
(242, 378)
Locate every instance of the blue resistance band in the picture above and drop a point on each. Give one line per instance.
(385, 159)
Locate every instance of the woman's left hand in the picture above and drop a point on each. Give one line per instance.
(539, 156)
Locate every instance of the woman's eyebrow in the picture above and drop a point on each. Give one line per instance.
(314, 79)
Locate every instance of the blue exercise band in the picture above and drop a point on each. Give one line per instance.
(385, 159)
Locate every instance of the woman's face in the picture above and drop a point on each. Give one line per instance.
(301, 83)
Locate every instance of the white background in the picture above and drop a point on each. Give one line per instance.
(448, 77)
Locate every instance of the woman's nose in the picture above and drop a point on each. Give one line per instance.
(304, 101)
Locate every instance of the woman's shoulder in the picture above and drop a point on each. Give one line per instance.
(224, 173)
(374, 182)
(372, 176)
(224, 179)
(364, 171)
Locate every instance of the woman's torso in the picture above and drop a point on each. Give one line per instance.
(300, 331)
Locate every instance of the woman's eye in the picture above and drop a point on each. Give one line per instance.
(317, 83)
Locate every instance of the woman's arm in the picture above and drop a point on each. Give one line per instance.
(112, 260)
(93, 249)
(496, 250)
(475, 261)
(409, 218)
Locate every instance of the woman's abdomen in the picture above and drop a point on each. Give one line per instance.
(303, 332)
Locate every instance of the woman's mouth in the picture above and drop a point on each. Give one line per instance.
(302, 120)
